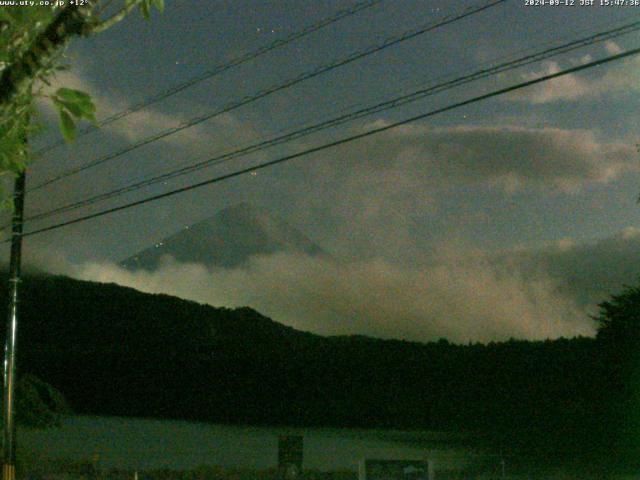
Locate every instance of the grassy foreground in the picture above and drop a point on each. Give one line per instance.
(64, 470)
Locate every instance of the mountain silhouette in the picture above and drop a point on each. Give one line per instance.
(228, 239)
(113, 350)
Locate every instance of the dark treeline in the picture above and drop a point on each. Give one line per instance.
(115, 351)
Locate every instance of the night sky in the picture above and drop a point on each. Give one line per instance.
(513, 216)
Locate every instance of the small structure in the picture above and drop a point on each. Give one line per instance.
(416, 469)
(290, 449)
(373, 469)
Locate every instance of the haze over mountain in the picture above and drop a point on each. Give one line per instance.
(228, 239)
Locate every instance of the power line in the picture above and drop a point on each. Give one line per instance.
(276, 88)
(341, 141)
(218, 69)
(537, 45)
(383, 106)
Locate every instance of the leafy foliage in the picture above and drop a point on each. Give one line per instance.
(619, 352)
(73, 104)
(39, 405)
(146, 5)
(116, 351)
(19, 28)
(619, 318)
(31, 42)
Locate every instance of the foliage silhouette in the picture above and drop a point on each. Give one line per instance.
(116, 351)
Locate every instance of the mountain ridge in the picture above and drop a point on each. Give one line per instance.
(228, 239)
(113, 350)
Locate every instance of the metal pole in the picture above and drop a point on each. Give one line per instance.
(9, 434)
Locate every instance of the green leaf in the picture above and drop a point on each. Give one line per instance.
(145, 8)
(159, 4)
(88, 108)
(72, 96)
(92, 118)
(78, 103)
(73, 108)
(67, 126)
(57, 103)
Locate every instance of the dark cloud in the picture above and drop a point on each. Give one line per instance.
(588, 273)
(507, 157)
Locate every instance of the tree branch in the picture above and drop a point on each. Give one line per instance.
(116, 17)
(16, 78)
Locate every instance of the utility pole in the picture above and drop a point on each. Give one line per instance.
(9, 434)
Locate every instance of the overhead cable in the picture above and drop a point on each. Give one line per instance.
(336, 143)
(218, 69)
(273, 89)
(368, 111)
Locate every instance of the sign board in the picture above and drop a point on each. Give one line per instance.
(371, 469)
(290, 456)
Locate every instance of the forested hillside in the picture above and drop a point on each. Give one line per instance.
(116, 351)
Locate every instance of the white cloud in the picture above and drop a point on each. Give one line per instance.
(460, 293)
(612, 48)
(504, 157)
(461, 299)
(225, 130)
(567, 87)
(565, 244)
(630, 233)
(377, 195)
(585, 59)
(618, 78)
